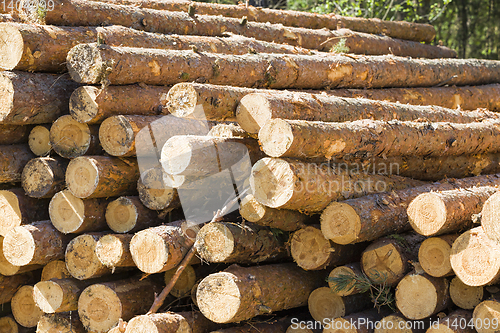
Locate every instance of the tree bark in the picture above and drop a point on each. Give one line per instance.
(373, 216)
(324, 304)
(43, 177)
(114, 250)
(353, 270)
(81, 259)
(128, 214)
(101, 176)
(56, 269)
(309, 187)
(72, 215)
(270, 326)
(9, 285)
(464, 296)
(13, 159)
(434, 255)
(11, 134)
(61, 323)
(24, 308)
(59, 295)
(489, 217)
(39, 140)
(92, 63)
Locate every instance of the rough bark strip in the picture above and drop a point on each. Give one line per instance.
(13, 159)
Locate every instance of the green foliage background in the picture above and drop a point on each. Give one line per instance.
(471, 27)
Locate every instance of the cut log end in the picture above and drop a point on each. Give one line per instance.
(12, 46)
(85, 64)
(81, 260)
(416, 297)
(116, 136)
(434, 257)
(82, 177)
(394, 324)
(176, 154)
(121, 215)
(38, 178)
(99, 308)
(349, 289)
(39, 141)
(487, 312)
(48, 296)
(324, 303)
(184, 283)
(24, 308)
(427, 214)
(215, 242)
(253, 112)
(310, 249)
(153, 191)
(182, 100)
(19, 246)
(56, 269)
(8, 325)
(82, 104)
(382, 262)
(66, 211)
(7, 96)
(69, 138)
(272, 182)
(149, 251)
(10, 212)
(251, 210)
(276, 137)
(464, 296)
(109, 250)
(7, 269)
(490, 216)
(340, 223)
(149, 324)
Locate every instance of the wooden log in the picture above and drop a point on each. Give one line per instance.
(284, 219)
(255, 110)
(43, 177)
(397, 29)
(39, 141)
(24, 308)
(312, 251)
(9, 285)
(489, 214)
(71, 139)
(464, 296)
(81, 260)
(114, 250)
(228, 242)
(36, 243)
(419, 296)
(309, 187)
(353, 269)
(376, 215)
(185, 282)
(128, 214)
(304, 139)
(158, 323)
(17, 208)
(434, 255)
(154, 193)
(324, 304)
(270, 326)
(56, 269)
(282, 286)
(14, 158)
(475, 258)
(486, 315)
(101, 176)
(9, 325)
(159, 249)
(437, 213)
(34, 98)
(387, 260)
(68, 322)
(70, 214)
(58, 295)
(91, 105)
(85, 63)
(459, 321)
(308, 327)
(7, 269)
(11, 134)
(228, 130)
(100, 306)
(397, 323)
(361, 322)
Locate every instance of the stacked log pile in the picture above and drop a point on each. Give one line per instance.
(156, 176)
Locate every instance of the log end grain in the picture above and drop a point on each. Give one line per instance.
(349, 270)
(60, 323)
(158, 323)
(39, 140)
(82, 104)
(490, 216)
(252, 210)
(487, 312)
(56, 269)
(12, 46)
(39, 179)
(7, 269)
(276, 137)
(182, 100)
(48, 296)
(382, 262)
(82, 176)
(272, 182)
(9, 211)
(215, 242)
(99, 308)
(85, 64)
(153, 191)
(464, 296)
(66, 211)
(109, 250)
(24, 308)
(69, 138)
(394, 323)
(116, 136)
(310, 249)
(340, 223)
(253, 112)
(176, 154)
(19, 246)
(434, 257)
(185, 282)
(8, 325)
(121, 215)
(427, 214)
(81, 260)
(149, 251)
(324, 303)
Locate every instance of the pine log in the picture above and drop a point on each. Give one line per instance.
(24, 308)
(397, 29)
(475, 258)
(459, 321)
(489, 217)
(34, 98)
(159, 249)
(154, 193)
(91, 105)
(7, 269)
(58, 295)
(419, 296)
(373, 216)
(306, 327)
(434, 255)
(43, 177)
(9, 285)
(184, 283)
(11, 134)
(387, 260)
(269, 326)
(228, 242)
(158, 323)
(284, 219)
(361, 322)
(255, 110)
(81, 260)
(36, 243)
(68, 322)
(9, 325)
(56, 269)
(14, 158)
(397, 323)
(312, 251)
(86, 65)
(437, 213)
(324, 304)
(487, 315)
(128, 214)
(100, 306)
(353, 269)
(70, 214)
(227, 296)
(101, 176)
(71, 139)
(16, 209)
(39, 141)
(228, 130)
(309, 187)
(114, 250)
(464, 296)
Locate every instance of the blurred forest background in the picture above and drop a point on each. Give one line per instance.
(471, 27)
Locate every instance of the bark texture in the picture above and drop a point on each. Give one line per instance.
(13, 159)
